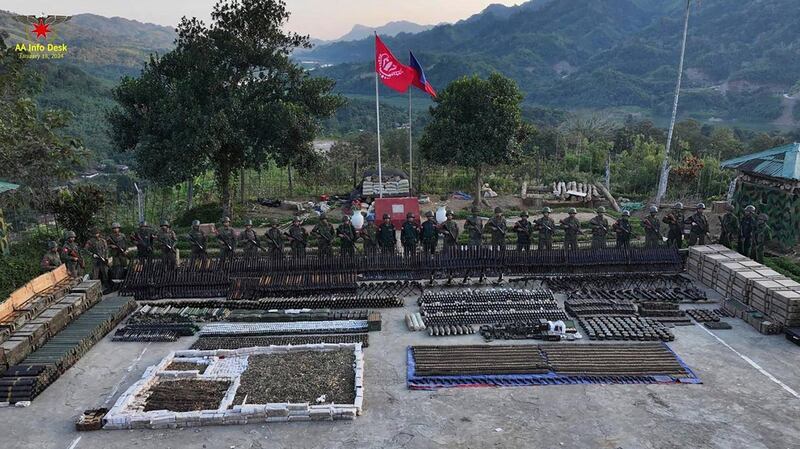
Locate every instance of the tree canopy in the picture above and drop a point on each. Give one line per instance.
(33, 151)
(475, 123)
(227, 97)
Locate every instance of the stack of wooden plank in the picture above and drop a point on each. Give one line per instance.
(761, 296)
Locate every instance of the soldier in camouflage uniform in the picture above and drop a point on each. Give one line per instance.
(274, 240)
(409, 236)
(572, 227)
(449, 230)
(429, 234)
(674, 221)
(166, 242)
(386, 235)
(761, 235)
(370, 235)
(728, 227)
(524, 229)
(197, 241)
(746, 228)
(347, 236)
(51, 259)
(298, 238)
(547, 228)
(623, 229)
(227, 239)
(144, 241)
(250, 240)
(474, 228)
(599, 226)
(652, 229)
(71, 255)
(698, 226)
(98, 248)
(118, 248)
(325, 235)
(496, 226)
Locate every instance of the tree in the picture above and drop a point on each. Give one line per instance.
(78, 209)
(32, 150)
(475, 123)
(228, 96)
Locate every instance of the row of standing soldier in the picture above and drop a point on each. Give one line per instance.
(750, 233)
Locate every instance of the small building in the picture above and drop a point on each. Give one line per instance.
(770, 181)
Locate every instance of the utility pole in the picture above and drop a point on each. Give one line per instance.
(664, 177)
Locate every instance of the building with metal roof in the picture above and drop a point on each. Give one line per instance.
(6, 186)
(770, 181)
(778, 162)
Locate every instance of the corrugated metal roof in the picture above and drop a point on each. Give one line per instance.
(778, 162)
(6, 186)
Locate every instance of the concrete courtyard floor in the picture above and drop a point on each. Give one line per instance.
(749, 399)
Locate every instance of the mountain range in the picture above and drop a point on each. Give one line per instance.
(609, 54)
(614, 56)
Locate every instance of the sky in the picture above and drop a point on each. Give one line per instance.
(324, 19)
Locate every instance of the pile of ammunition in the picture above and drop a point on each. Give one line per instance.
(206, 343)
(624, 328)
(665, 313)
(155, 331)
(519, 331)
(703, 315)
(446, 330)
(293, 284)
(489, 306)
(478, 360)
(585, 307)
(43, 366)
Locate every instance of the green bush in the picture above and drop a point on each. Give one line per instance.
(22, 264)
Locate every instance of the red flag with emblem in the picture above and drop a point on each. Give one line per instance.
(391, 72)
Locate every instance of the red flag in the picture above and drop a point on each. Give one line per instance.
(393, 74)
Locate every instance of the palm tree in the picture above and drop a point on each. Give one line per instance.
(664, 178)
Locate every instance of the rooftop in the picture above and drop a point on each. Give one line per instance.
(778, 162)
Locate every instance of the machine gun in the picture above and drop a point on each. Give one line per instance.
(196, 243)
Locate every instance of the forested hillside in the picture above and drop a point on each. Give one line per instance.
(741, 56)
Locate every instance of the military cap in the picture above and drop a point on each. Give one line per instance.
(115, 225)
(546, 210)
(653, 209)
(69, 234)
(273, 222)
(226, 219)
(249, 223)
(498, 210)
(386, 216)
(52, 245)
(195, 222)
(165, 223)
(429, 214)
(678, 206)
(474, 210)
(449, 213)
(572, 211)
(626, 213)
(410, 215)
(524, 214)
(601, 210)
(750, 208)
(763, 217)
(701, 206)
(370, 218)
(346, 217)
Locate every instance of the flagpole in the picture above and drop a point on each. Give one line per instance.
(378, 119)
(410, 153)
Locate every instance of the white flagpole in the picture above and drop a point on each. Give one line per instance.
(378, 117)
(410, 154)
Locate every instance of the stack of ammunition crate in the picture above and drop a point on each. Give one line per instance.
(757, 294)
(32, 333)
